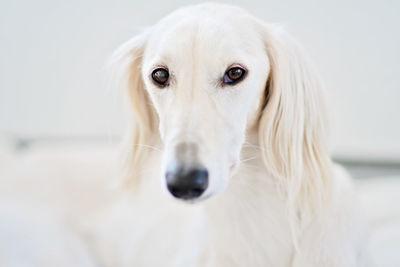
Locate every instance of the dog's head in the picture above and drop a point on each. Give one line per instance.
(206, 75)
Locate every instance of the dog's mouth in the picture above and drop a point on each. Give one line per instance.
(197, 200)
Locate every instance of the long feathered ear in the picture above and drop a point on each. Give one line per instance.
(293, 124)
(126, 64)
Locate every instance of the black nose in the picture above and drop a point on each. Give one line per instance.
(187, 184)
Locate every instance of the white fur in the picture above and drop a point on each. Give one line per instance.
(274, 199)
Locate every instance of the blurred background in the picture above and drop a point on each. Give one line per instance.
(53, 87)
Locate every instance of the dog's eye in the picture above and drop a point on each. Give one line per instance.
(160, 77)
(234, 75)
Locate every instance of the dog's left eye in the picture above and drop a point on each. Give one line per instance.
(160, 77)
(234, 75)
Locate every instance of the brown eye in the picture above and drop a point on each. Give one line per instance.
(234, 75)
(160, 77)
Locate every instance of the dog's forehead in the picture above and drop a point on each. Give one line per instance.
(208, 32)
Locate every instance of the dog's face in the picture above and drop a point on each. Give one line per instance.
(206, 77)
(203, 76)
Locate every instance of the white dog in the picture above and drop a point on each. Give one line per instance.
(227, 160)
(229, 117)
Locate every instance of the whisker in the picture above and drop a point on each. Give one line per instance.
(148, 146)
(248, 145)
(248, 159)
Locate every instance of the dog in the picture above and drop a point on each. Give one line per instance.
(230, 118)
(226, 161)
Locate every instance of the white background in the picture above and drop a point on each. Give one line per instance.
(52, 55)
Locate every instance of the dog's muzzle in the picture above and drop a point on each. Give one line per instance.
(186, 178)
(187, 184)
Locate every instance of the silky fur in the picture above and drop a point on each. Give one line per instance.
(283, 203)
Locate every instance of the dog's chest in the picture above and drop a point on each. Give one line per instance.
(245, 234)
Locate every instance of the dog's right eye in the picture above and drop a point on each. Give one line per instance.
(160, 77)
(234, 75)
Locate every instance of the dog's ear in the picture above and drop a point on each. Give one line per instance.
(126, 63)
(293, 125)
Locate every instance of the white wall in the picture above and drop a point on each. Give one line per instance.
(52, 54)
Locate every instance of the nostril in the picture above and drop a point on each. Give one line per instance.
(198, 177)
(187, 184)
